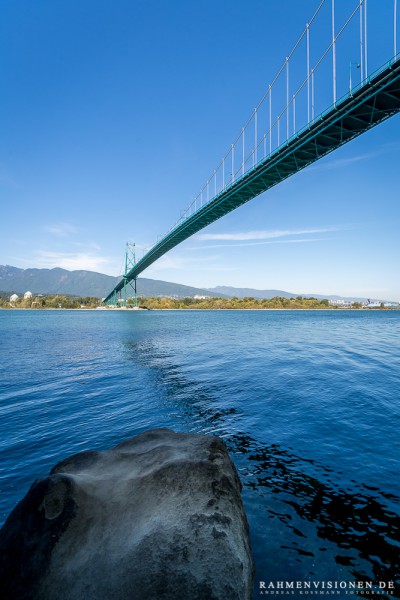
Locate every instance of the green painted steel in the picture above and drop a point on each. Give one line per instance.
(368, 105)
(130, 261)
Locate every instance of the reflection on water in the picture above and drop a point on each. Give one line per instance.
(307, 404)
(362, 529)
(314, 530)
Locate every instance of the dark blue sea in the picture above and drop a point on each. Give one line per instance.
(306, 401)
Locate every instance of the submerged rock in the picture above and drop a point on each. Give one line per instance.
(158, 517)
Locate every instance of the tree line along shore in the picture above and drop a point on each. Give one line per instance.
(56, 301)
(49, 301)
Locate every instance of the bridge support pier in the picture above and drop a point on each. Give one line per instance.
(135, 297)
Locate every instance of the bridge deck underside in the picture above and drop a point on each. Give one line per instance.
(371, 104)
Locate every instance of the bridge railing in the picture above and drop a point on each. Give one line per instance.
(340, 46)
(344, 44)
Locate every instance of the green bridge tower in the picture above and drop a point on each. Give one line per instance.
(130, 261)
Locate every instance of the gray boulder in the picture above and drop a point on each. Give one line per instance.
(159, 516)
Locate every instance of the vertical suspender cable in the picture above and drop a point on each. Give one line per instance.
(287, 98)
(361, 43)
(312, 94)
(395, 27)
(270, 120)
(365, 40)
(350, 83)
(333, 53)
(233, 163)
(308, 72)
(242, 150)
(255, 135)
(294, 114)
(215, 182)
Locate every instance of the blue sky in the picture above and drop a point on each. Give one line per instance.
(115, 113)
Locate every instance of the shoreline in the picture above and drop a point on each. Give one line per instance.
(198, 309)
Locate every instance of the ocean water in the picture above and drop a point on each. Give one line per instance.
(306, 401)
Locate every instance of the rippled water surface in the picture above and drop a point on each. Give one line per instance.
(307, 402)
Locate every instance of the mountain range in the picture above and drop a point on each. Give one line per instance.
(85, 283)
(90, 283)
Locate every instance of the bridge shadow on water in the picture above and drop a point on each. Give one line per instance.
(304, 524)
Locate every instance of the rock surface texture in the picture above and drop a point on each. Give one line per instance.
(158, 517)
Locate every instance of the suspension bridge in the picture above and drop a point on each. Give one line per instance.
(313, 106)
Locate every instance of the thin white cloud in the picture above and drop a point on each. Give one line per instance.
(297, 241)
(75, 261)
(200, 263)
(90, 245)
(167, 262)
(262, 235)
(61, 229)
(338, 163)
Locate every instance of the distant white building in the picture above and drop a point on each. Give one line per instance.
(14, 298)
(341, 303)
(27, 295)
